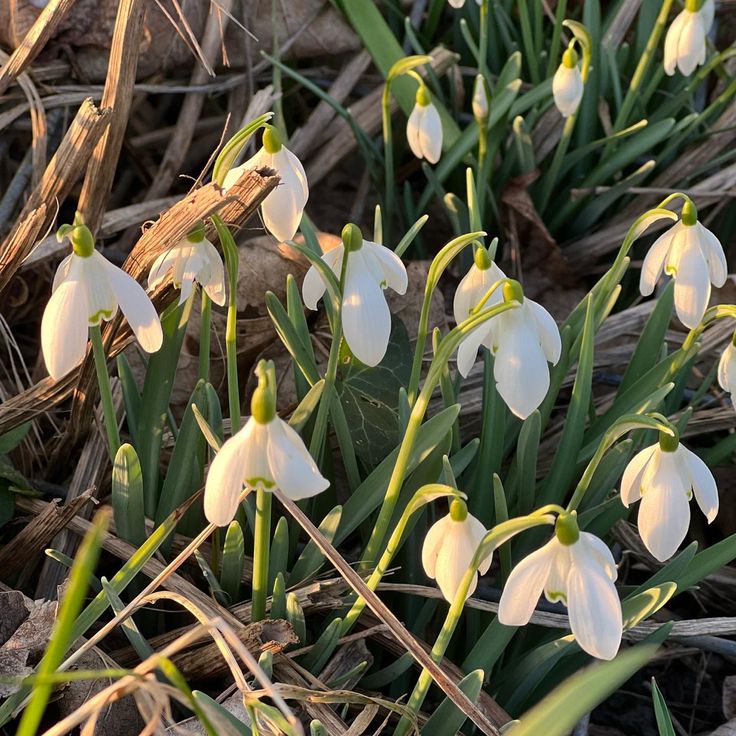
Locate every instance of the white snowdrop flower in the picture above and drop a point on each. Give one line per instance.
(694, 257)
(567, 84)
(685, 43)
(424, 128)
(193, 259)
(727, 370)
(449, 548)
(480, 99)
(577, 569)
(664, 476)
(266, 453)
(522, 340)
(366, 319)
(460, 3)
(87, 290)
(282, 209)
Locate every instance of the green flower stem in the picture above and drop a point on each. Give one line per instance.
(388, 155)
(261, 548)
(483, 39)
(641, 68)
(447, 346)
(204, 337)
(497, 536)
(103, 381)
(528, 40)
(554, 48)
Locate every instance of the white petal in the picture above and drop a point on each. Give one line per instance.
(664, 514)
(283, 207)
(598, 549)
(314, 287)
(672, 42)
(593, 606)
(651, 268)
(225, 479)
(256, 467)
(457, 3)
(691, 44)
(433, 543)
(707, 14)
(703, 482)
(524, 587)
(62, 272)
(473, 287)
(520, 368)
(215, 286)
(161, 266)
(692, 282)
(366, 318)
(292, 467)
(567, 89)
(413, 131)
(555, 589)
(65, 325)
(547, 330)
(136, 306)
(431, 134)
(392, 267)
(727, 369)
(476, 532)
(102, 303)
(714, 255)
(453, 560)
(632, 478)
(468, 349)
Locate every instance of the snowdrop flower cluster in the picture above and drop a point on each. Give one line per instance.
(449, 548)
(370, 268)
(265, 454)
(88, 290)
(685, 43)
(664, 476)
(694, 257)
(282, 209)
(577, 569)
(522, 340)
(424, 127)
(567, 84)
(193, 259)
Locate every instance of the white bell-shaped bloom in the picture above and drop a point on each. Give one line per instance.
(88, 290)
(580, 574)
(567, 84)
(727, 370)
(193, 259)
(282, 209)
(694, 257)
(266, 453)
(460, 3)
(424, 128)
(366, 319)
(449, 548)
(685, 43)
(523, 340)
(664, 480)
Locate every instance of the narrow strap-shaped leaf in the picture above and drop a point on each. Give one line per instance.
(311, 559)
(447, 718)
(127, 496)
(233, 555)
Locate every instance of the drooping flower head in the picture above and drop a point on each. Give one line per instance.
(424, 127)
(283, 207)
(366, 319)
(685, 43)
(88, 290)
(449, 548)
(567, 84)
(266, 453)
(727, 369)
(577, 569)
(694, 257)
(522, 340)
(193, 259)
(664, 476)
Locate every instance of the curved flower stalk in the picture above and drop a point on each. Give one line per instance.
(192, 259)
(664, 476)
(449, 548)
(685, 43)
(577, 569)
(694, 257)
(567, 84)
(523, 341)
(265, 454)
(283, 207)
(88, 290)
(424, 127)
(727, 369)
(369, 269)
